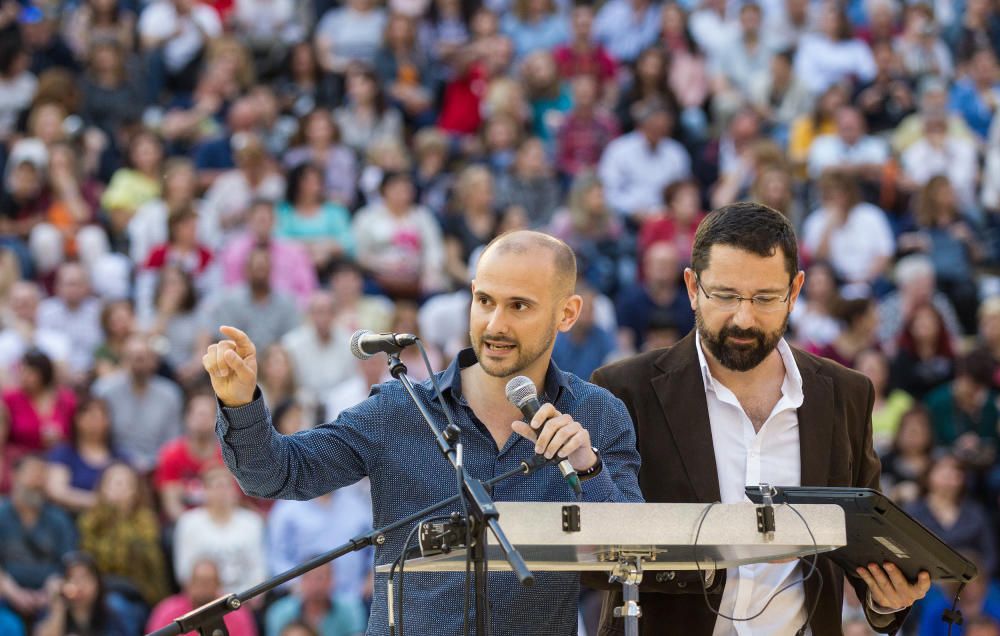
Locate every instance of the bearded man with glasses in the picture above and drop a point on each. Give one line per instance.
(731, 405)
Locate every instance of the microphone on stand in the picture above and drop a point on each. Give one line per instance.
(521, 393)
(365, 343)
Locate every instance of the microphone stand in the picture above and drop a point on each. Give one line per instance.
(480, 505)
(207, 620)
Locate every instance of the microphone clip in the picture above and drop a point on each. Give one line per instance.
(765, 512)
(441, 537)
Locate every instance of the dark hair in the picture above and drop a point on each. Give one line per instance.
(908, 343)
(85, 401)
(676, 187)
(850, 310)
(366, 71)
(10, 50)
(136, 138)
(392, 175)
(919, 411)
(283, 409)
(295, 177)
(42, 364)
(977, 365)
(300, 136)
(177, 217)
(751, 227)
(107, 310)
(664, 95)
(787, 54)
(100, 616)
(344, 265)
(835, 180)
(924, 481)
(190, 300)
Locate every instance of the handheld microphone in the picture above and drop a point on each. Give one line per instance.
(365, 344)
(521, 393)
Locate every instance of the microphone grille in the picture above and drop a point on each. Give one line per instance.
(519, 389)
(356, 344)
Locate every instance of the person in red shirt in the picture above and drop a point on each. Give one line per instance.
(582, 55)
(40, 411)
(677, 222)
(182, 247)
(476, 64)
(181, 461)
(204, 586)
(585, 131)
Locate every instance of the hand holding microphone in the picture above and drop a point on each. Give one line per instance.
(555, 434)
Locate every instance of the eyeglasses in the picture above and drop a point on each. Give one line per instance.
(765, 303)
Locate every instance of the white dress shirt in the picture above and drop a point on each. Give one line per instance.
(634, 173)
(743, 458)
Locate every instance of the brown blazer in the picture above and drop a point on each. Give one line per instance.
(665, 396)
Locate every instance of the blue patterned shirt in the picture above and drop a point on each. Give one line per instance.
(385, 438)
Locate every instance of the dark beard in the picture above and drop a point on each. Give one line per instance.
(739, 358)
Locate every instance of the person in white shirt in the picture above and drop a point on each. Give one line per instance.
(21, 332)
(941, 153)
(74, 312)
(626, 27)
(853, 235)
(849, 149)
(220, 530)
(636, 168)
(742, 407)
(832, 54)
(320, 349)
(175, 33)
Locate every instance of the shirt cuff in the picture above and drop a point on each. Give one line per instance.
(246, 416)
(878, 609)
(600, 487)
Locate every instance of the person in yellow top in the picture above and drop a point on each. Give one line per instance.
(134, 184)
(806, 128)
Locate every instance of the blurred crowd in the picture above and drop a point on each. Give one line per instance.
(303, 169)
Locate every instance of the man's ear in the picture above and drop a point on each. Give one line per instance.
(797, 284)
(691, 284)
(570, 312)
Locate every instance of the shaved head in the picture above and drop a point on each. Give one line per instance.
(531, 245)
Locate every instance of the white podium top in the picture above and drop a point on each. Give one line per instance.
(664, 534)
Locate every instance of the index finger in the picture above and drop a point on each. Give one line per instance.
(244, 346)
(544, 414)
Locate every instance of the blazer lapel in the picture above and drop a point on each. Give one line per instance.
(816, 423)
(681, 394)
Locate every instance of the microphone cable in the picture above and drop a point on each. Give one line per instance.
(812, 570)
(446, 408)
(400, 562)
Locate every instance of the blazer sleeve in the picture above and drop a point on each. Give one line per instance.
(868, 474)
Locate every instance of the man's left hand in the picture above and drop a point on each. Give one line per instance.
(889, 587)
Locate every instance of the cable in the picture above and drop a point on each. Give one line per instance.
(468, 554)
(401, 561)
(802, 580)
(437, 389)
(458, 478)
(954, 615)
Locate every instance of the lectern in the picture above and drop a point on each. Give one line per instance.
(625, 540)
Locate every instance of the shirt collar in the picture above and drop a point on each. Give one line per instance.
(791, 387)
(556, 380)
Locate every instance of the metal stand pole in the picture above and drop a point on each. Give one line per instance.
(628, 572)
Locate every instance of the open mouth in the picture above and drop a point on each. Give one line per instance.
(498, 347)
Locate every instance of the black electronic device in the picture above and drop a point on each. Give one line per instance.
(878, 531)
